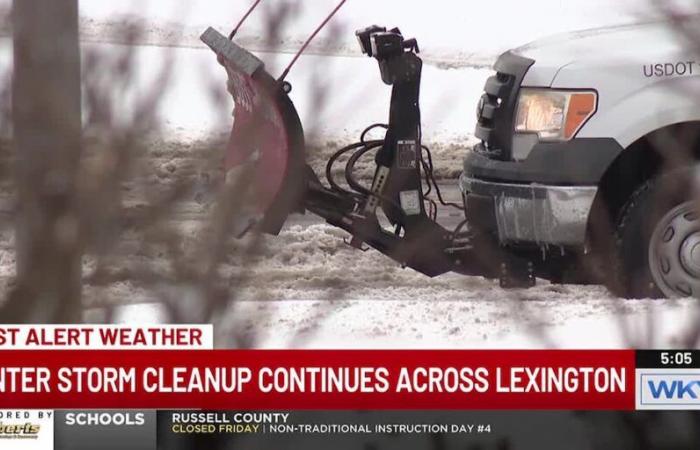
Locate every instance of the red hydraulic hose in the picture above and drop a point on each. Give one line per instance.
(245, 17)
(308, 41)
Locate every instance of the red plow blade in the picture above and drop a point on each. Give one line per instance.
(267, 141)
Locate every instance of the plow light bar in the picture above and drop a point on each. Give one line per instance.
(364, 37)
(386, 45)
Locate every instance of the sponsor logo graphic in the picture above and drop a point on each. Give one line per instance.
(26, 429)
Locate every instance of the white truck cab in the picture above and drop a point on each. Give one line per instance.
(588, 142)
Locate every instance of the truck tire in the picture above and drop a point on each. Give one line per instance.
(658, 241)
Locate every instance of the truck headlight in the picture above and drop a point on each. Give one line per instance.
(554, 115)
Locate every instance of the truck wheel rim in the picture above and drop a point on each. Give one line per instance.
(674, 252)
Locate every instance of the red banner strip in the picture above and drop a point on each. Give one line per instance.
(295, 380)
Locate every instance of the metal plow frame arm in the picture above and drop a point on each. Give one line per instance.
(268, 137)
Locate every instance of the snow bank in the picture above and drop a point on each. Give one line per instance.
(337, 97)
(450, 31)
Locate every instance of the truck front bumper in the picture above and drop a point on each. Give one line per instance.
(529, 213)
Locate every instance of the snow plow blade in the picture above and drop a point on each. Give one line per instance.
(265, 151)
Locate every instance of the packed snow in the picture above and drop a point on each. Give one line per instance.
(306, 288)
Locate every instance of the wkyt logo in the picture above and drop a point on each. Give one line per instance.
(26, 430)
(668, 389)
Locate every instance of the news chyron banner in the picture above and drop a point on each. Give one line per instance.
(166, 386)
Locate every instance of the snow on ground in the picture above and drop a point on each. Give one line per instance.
(375, 303)
(306, 288)
(496, 319)
(499, 321)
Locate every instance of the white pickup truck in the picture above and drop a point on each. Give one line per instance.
(589, 142)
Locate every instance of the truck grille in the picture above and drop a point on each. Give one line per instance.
(496, 111)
